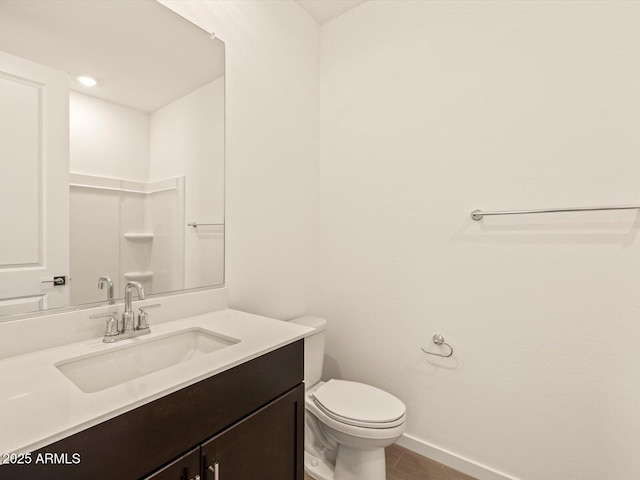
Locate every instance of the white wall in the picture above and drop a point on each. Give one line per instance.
(187, 139)
(430, 110)
(272, 83)
(108, 139)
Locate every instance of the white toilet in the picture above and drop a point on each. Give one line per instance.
(347, 424)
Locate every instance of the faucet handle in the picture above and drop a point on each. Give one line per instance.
(143, 316)
(111, 329)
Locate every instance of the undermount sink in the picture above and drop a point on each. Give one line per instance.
(98, 372)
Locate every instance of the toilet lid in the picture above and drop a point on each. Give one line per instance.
(359, 404)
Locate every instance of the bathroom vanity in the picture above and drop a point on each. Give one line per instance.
(237, 412)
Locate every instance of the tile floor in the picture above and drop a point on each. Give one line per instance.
(403, 464)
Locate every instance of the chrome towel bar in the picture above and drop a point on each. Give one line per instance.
(196, 225)
(478, 214)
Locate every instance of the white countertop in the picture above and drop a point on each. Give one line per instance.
(39, 405)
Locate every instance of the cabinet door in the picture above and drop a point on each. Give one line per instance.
(186, 467)
(267, 444)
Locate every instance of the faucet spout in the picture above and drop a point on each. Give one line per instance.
(128, 316)
(102, 281)
(127, 294)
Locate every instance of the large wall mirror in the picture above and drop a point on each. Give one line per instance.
(123, 179)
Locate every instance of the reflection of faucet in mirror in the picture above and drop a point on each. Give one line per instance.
(128, 316)
(102, 281)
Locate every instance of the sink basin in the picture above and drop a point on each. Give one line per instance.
(147, 355)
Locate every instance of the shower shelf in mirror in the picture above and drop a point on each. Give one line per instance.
(123, 185)
(138, 275)
(138, 236)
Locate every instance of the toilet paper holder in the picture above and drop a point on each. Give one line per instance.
(439, 340)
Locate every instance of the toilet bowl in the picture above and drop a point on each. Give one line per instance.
(347, 424)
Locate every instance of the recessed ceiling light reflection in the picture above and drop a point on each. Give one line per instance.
(86, 81)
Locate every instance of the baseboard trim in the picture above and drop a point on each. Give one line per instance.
(450, 459)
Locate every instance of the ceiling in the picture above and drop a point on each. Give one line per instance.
(125, 45)
(143, 55)
(325, 10)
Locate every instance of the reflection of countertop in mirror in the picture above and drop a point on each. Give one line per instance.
(40, 405)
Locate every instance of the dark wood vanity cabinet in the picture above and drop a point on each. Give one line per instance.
(262, 445)
(249, 420)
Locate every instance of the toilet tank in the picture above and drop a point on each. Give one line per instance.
(313, 348)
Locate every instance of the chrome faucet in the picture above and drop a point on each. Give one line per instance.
(102, 281)
(130, 327)
(128, 316)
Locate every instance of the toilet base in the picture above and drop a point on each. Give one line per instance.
(357, 464)
(353, 464)
(317, 468)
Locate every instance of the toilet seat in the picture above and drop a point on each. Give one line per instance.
(359, 405)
